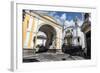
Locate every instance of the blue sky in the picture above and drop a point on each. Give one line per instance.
(65, 17)
(69, 15)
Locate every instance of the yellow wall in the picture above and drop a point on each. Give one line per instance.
(24, 28)
(31, 34)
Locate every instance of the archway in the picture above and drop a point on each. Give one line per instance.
(50, 33)
(41, 38)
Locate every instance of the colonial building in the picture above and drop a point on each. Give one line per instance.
(77, 35)
(33, 23)
(86, 28)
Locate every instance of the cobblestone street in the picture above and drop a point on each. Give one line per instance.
(47, 57)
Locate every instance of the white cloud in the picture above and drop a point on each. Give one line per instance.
(72, 23)
(57, 18)
(80, 22)
(63, 16)
(69, 23)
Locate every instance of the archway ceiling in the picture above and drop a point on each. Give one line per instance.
(47, 29)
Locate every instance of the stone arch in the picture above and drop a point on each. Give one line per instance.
(40, 21)
(41, 36)
(50, 31)
(58, 33)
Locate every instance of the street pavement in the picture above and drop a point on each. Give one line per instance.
(45, 57)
